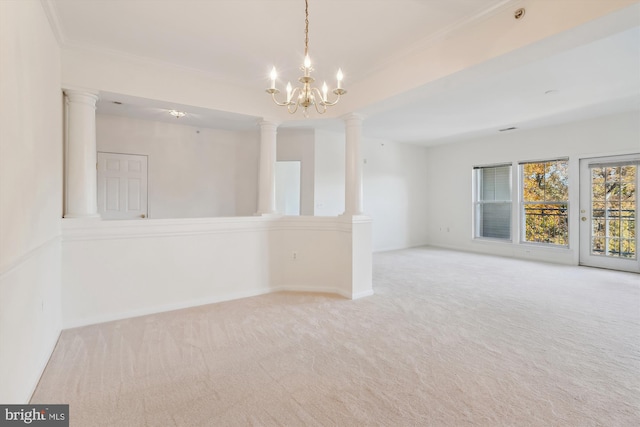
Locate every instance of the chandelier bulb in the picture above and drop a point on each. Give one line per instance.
(274, 75)
(307, 61)
(339, 77)
(288, 91)
(325, 89)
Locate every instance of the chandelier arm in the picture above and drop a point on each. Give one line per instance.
(328, 103)
(318, 95)
(320, 108)
(331, 104)
(281, 104)
(321, 102)
(295, 106)
(294, 109)
(295, 93)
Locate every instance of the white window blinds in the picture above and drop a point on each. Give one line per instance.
(493, 202)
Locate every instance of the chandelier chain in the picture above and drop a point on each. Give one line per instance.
(306, 27)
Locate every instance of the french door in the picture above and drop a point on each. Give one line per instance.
(609, 212)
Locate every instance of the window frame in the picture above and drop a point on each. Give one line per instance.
(522, 218)
(477, 202)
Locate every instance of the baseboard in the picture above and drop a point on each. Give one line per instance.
(399, 248)
(76, 323)
(43, 365)
(312, 290)
(362, 294)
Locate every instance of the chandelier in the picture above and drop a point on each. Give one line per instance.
(306, 95)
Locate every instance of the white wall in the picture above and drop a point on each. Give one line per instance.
(394, 187)
(296, 144)
(30, 196)
(395, 194)
(329, 173)
(449, 177)
(247, 168)
(193, 172)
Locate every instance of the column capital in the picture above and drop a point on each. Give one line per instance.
(84, 96)
(353, 118)
(266, 123)
(81, 90)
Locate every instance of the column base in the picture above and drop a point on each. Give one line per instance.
(82, 216)
(268, 214)
(354, 216)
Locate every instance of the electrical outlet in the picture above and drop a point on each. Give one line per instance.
(294, 255)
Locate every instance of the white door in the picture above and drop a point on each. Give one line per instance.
(122, 186)
(288, 187)
(609, 212)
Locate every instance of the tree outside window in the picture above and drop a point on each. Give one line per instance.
(614, 211)
(545, 202)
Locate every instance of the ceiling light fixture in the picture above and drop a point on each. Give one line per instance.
(306, 95)
(177, 114)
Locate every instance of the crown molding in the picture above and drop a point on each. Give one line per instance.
(52, 16)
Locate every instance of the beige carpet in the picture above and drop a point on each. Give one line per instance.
(449, 339)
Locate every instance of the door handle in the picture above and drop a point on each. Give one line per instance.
(584, 218)
(143, 216)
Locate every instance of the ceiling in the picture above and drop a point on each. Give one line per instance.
(238, 41)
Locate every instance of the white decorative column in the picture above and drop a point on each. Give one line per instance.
(360, 282)
(353, 170)
(80, 155)
(267, 183)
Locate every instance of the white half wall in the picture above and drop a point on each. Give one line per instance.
(450, 170)
(119, 269)
(30, 196)
(192, 172)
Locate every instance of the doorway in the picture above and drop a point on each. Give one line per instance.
(122, 186)
(609, 212)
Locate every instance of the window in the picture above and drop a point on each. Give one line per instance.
(493, 202)
(545, 202)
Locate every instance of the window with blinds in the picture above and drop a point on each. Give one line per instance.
(492, 202)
